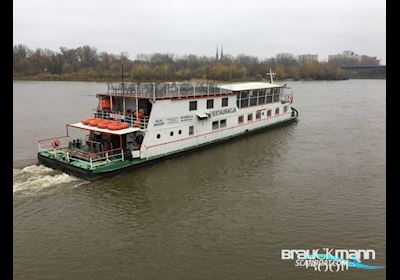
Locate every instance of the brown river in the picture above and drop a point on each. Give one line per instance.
(224, 212)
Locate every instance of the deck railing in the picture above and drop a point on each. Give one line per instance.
(65, 153)
(165, 90)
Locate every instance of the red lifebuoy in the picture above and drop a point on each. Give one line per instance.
(55, 143)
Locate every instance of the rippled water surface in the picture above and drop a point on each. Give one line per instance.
(224, 212)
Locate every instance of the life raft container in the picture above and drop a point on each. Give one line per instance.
(87, 120)
(95, 121)
(117, 126)
(103, 124)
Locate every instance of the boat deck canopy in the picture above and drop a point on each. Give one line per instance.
(103, 130)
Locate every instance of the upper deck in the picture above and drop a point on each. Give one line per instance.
(169, 90)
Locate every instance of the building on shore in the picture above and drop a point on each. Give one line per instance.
(307, 58)
(350, 58)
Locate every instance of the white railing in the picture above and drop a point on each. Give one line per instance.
(165, 90)
(59, 148)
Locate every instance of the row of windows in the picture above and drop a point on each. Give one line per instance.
(257, 97)
(210, 104)
(191, 132)
(222, 123)
(259, 113)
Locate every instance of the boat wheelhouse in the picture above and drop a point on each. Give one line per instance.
(136, 123)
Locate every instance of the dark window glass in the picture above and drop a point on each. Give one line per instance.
(244, 103)
(222, 123)
(171, 133)
(192, 105)
(276, 97)
(285, 109)
(238, 103)
(277, 111)
(269, 98)
(210, 103)
(258, 115)
(253, 101)
(191, 130)
(158, 136)
(268, 113)
(250, 117)
(224, 102)
(180, 131)
(261, 97)
(244, 94)
(240, 119)
(215, 125)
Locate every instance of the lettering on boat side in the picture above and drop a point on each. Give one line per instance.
(158, 122)
(222, 112)
(186, 118)
(173, 120)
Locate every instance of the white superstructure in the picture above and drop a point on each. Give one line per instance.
(176, 117)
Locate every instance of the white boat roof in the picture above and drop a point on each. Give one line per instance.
(248, 86)
(104, 130)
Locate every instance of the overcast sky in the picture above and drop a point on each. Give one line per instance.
(255, 27)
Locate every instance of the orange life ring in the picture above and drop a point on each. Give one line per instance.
(55, 143)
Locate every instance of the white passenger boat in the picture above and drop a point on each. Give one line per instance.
(135, 124)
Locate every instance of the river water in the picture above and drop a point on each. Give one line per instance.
(224, 212)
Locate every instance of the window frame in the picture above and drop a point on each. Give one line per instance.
(222, 102)
(210, 101)
(195, 105)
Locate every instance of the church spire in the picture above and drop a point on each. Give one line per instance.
(216, 56)
(222, 52)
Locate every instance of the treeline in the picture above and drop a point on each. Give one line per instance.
(86, 63)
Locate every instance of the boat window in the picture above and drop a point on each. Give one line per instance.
(192, 105)
(269, 96)
(253, 98)
(215, 125)
(276, 94)
(261, 97)
(269, 113)
(244, 103)
(277, 111)
(224, 102)
(285, 109)
(244, 94)
(171, 133)
(222, 123)
(250, 117)
(180, 132)
(191, 130)
(210, 103)
(258, 115)
(240, 119)
(158, 136)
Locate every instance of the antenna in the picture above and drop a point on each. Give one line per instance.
(122, 75)
(271, 74)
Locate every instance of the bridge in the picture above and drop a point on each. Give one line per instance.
(372, 72)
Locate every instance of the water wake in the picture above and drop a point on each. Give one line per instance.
(36, 178)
